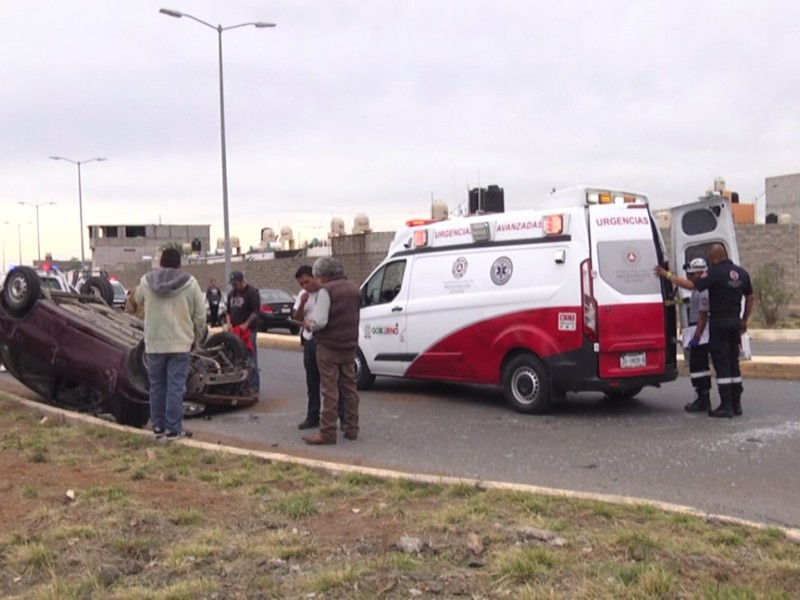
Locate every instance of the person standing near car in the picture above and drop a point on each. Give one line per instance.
(727, 284)
(244, 306)
(214, 297)
(334, 323)
(303, 307)
(699, 369)
(175, 321)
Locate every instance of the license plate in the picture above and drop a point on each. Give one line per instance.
(285, 310)
(633, 360)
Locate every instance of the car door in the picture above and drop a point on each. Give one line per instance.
(383, 321)
(694, 228)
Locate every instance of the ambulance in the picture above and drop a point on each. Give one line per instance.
(559, 298)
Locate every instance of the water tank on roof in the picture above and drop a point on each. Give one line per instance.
(267, 234)
(186, 247)
(439, 210)
(361, 223)
(784, 219)
(197, 245)
(719, 185)
(220, 243)
(337, 227)
(287, 233)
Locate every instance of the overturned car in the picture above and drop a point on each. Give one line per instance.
(77, 352)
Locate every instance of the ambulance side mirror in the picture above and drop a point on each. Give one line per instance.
(560, 257)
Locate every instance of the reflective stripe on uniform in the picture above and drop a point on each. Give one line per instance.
(699, 374)
(728, 380)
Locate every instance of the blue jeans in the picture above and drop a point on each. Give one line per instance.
(167, 374)
(254, 381)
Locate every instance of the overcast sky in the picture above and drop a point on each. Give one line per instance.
(379, 106)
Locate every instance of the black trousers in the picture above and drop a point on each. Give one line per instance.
(699, 369)
(214, 310)
(725, 337)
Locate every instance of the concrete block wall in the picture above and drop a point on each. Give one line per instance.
(758, 245)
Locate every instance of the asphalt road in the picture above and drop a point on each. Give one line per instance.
(647, 448)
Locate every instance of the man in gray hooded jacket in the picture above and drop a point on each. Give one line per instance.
(175, 320)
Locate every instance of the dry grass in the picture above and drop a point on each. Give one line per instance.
(171, 522)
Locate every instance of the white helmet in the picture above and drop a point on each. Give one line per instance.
(697, 265)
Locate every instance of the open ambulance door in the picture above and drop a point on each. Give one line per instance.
(634, 335)
(694, 228)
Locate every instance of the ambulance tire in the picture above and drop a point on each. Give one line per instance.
(364, 379)
(526, 385)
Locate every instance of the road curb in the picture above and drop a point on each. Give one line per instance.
(791, 533)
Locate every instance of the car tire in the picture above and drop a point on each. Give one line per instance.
(526, 385)
(99, 287)
(364, 379)
(21, 289)
(232, 346)
(294, 329)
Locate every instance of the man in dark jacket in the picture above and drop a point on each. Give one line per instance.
(244, 306)
(727, 284)
(334, 322)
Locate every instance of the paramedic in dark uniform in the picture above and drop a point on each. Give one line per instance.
(727, 284)
(699, 369)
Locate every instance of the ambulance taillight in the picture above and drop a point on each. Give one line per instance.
(589, 303)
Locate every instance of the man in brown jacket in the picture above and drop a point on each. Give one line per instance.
(334, 322)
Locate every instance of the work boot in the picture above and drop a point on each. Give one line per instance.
(318, 440)
(725, 408)
(309, 423)
(736, 400)
(701, 404)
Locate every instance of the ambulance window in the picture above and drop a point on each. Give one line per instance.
(696, 222)
(384, 285)
(627, 266)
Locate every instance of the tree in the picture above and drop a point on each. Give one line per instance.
(772, 296)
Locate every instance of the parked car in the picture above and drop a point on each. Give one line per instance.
(120, 294)
(276, 310)
(77, 352)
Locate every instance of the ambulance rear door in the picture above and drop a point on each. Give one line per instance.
(694, 228)
(626, 298)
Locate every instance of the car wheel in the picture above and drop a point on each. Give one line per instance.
(231, 346)
(526, 385)
(99, 287)
(21, 289)
(294, 329)
(364, 379)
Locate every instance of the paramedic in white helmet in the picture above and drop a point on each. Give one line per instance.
(699, 368)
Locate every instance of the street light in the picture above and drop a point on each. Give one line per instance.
(37, 205)
(80, 193)
(219, 29)
(19, 240)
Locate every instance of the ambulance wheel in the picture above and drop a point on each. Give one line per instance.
(526, 385)
(364, 379)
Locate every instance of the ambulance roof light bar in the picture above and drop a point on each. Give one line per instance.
(606, 197)
(481, 232)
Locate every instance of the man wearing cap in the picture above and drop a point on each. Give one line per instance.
(699, 369)
(727, 284)
(244, 305)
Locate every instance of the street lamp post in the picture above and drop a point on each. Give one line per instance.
(80, 194)
(19, 241)
(219, 29)
(38, 244)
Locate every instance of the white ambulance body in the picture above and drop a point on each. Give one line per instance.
(541, 301)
